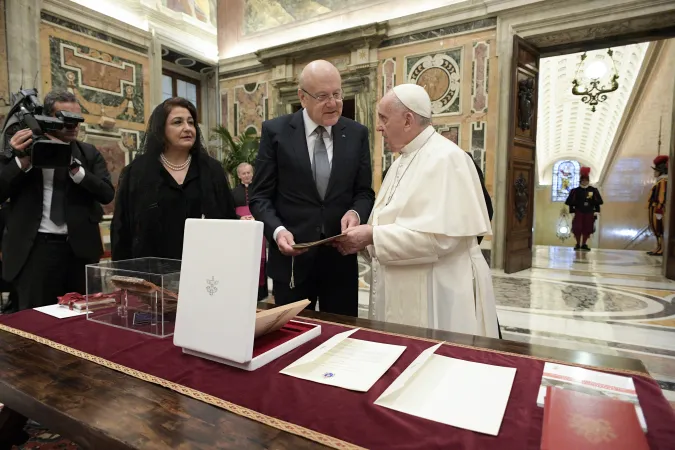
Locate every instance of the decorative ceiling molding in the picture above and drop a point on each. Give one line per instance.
(652, 56)
(117, 29)
(138, 21)
(567, 128)
(189, 65)
(454, 30)
(584, 34)
(454, 14)
(239, 65)
(340, 41)
(531, 21)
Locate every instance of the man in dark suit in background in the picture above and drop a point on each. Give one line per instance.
(52, 228)
(313, 180)
(488, 200)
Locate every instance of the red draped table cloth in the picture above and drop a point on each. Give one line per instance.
(329, 415)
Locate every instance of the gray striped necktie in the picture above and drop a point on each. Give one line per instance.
(320, 164)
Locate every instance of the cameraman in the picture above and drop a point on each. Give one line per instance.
(54, 214)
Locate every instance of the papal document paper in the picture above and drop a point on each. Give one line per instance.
(60, 312)
(452, 391)
(347, 363)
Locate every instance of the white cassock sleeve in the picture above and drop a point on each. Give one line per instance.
(396, 245)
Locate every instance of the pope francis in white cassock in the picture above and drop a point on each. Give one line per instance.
(427, 267)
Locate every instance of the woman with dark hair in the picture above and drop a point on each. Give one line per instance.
(173, 179)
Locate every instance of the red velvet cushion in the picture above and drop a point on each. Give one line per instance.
(289, 331)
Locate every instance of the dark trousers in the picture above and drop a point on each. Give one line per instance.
(51, 271)
(334, 282)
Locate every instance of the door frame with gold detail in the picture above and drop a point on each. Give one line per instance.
(521, 157)
(557, 28)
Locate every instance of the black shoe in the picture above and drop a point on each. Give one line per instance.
(577, 247)
(585, 248)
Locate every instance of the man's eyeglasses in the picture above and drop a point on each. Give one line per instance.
(321, 98)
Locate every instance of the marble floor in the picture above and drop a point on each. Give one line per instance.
(612, 302)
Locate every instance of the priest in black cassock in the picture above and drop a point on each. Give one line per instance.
(241, 196)
(584, 202)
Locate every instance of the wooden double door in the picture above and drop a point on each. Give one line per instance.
(522, 146)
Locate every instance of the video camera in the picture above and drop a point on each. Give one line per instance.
(27, 112)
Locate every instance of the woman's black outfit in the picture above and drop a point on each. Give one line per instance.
(151, 208)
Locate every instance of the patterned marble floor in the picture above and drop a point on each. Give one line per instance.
(604, 301)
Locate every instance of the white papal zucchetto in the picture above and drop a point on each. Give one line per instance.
(415, 98)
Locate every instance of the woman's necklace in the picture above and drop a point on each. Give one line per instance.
(175, 167)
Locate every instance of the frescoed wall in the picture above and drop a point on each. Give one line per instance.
(111, 84)
(455, 71)
(202, 10)
(264, 15)
(245, 103)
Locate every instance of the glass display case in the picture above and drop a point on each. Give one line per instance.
(136, 294)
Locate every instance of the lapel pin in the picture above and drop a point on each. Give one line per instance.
(344, 135)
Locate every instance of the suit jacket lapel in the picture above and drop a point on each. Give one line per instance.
(299, 142)
(339, 155)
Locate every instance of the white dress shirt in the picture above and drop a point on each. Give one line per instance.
(46, 225)
(311, 136)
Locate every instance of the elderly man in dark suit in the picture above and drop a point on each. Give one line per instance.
(52, 229)
(313, 180)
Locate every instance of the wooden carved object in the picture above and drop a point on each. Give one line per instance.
(525, 106)
(521, 197)
(144, 290)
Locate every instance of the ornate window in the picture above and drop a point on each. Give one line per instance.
(175, 85)
(565, 178)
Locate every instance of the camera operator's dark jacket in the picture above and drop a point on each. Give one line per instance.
(83, 208)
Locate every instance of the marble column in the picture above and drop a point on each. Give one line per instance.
(155, 57)
(505, 56)
(366, 100)
(23, 44)
(210, 106)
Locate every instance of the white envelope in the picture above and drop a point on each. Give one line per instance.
(452, 391)
(347, 363)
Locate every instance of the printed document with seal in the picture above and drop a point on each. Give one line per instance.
(452, 391)
(347, 363)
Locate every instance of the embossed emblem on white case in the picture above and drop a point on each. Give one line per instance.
(211, 286)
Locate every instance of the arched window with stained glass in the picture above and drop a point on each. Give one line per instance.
(565, 178)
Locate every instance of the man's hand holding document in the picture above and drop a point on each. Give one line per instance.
(316, 243)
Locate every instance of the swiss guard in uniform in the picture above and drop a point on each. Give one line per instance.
(657, 202)
(584, 202)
